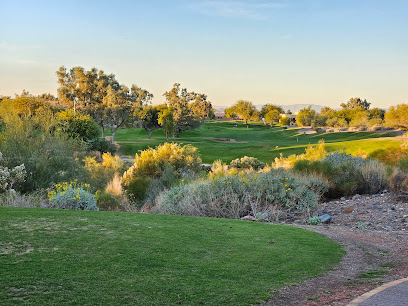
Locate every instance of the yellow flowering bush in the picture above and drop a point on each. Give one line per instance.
(72, 195)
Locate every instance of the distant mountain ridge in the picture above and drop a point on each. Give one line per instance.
(292, 107)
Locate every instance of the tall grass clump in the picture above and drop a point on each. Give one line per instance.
(346, 174)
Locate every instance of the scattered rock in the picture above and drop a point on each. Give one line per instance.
(356, 197)
(347, 209)
(325, 219)
(249, 218)
(342, 199)
(385, 212)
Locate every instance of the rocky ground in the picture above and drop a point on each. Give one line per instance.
(382, 212)
(373, 230)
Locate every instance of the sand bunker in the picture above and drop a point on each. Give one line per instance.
(230, 140)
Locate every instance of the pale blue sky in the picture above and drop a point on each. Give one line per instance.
(283, 52)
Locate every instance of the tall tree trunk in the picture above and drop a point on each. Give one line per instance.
(167, 136)
(113, 134)
(246, 122)
(103, 131)
(149, 133)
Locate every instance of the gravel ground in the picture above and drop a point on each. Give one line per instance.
(374, 232)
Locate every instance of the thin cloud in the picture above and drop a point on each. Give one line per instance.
(7, 46)
(237, 9)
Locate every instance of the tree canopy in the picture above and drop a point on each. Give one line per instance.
(100, 95)
(354, 103)
(243, 109)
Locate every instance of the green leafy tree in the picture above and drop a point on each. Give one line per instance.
(284, 121)
(272, 116)
(100, 95)
(201, 108)
(359, 118)
(354, 103)
(377, 113)
(148, 118)
(397, 116)
(270, 107)
(230, 113)
(179, 99)
(244, 109)
(166, 121)
(305, 116)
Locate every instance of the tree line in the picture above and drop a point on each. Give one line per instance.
(113, 105)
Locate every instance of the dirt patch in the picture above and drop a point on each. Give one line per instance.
(373, 232)
(230, 140)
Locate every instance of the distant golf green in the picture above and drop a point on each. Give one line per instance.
(258, 140)
(66, 257)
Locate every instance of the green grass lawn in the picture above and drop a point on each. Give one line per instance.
(260, 141)
(105, 258)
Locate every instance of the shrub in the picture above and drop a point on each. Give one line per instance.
(102, 145)
(137, 189)
(10, 177)
(72, 196)
(272, 194)
(346, 174)
(48, 158)
(337, 122)
(398, 182)
(284, 121)
(247, 163)
(312, 153)
(102, 173)
(37, 199)
(185, 160)
(77, 125)
(108, 201)
(314, 220)
(374, 174)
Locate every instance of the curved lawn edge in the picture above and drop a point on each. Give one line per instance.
(54, 256)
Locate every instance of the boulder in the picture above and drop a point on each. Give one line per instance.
(248, 218)
(325, 219)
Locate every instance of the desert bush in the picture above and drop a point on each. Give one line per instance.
(272, 194)
(108, 201)
(152, 162)
(247, 163)
(48, 157)
(137, 190)
(100, 174)
(37, 199)
(375, 122)
(398, 182)
(346, 174)
(77, 125)
(312, 153)
(102, 145)
(336, 122)
(284, 121)
(72, 196)
(374, 174)
(10, 177)
(403, 164)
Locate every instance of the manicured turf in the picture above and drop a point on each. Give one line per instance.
(111, 258)
(259, 141)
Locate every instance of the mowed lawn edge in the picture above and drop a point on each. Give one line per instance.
(262, 142)
(76, 257)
